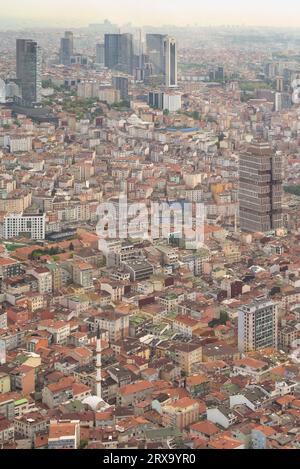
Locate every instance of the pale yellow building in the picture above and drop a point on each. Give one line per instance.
(4, 383)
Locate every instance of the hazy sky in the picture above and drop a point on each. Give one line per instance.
(139, 12)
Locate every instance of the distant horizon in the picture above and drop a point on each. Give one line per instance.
(157, 13)
(14, 24)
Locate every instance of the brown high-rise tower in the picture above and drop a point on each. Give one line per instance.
(260, 188)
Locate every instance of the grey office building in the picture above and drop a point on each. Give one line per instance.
(121, 84)
(155, 52)
(100, 55)
(260, 188)
(29, 70)
(66, 48)
(118, 52)
(156, 99)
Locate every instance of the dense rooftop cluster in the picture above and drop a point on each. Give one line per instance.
(199, 342)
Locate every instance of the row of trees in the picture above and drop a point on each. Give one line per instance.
(53, 251)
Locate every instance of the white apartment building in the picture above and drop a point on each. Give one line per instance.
(257, 325)
(88, 89)
(194, 195)
(59, 329)
(172, 102)
(16, 224)
(44, 278)
(18, 143)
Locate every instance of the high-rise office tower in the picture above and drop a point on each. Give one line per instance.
(126, 53)
(257, 326)
(260, 188)
(2, 91)
(100, 56)
(155, 52)
(121, 84)
(112, 50)
(66, 48)
(270, 70)
(118, 51)
(170, 54)
(156, 99)
(278, 102)
(280, 84)
(29, 70)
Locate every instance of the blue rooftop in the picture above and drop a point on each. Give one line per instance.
(183, 129)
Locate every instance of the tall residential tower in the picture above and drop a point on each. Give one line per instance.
(257, 325)
(260, 188)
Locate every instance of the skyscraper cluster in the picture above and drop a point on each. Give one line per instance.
(149, 256)
(161, 55)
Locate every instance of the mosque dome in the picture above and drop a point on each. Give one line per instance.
(95, 403)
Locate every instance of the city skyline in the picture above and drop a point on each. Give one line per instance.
(149, 228)
(192, 12)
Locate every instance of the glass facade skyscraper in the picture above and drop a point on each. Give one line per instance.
(29, 70)
(118, 51)
(155, 52)
(121, 84)
(100, 54)
(66, 48)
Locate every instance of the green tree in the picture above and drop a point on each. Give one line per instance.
(292, 189)
(83, 444)
(222, 321)
(47, 83)
(224, 318)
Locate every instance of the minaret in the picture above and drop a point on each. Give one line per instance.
(98, 365)
(235, 220)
